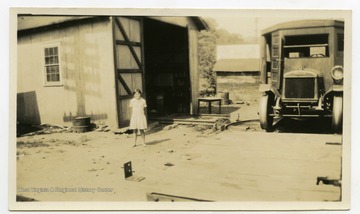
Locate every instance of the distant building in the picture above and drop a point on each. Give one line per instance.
(247, 51)
(237, 70)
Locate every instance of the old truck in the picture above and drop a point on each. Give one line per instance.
(302, 72)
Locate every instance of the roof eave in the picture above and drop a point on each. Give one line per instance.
(200, 23)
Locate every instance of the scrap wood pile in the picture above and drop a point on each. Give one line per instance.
(45, 128)
(48, 128)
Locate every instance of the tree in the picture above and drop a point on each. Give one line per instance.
(223, 37)
(207, 42)
(207, 60)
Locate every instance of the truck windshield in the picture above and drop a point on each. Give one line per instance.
(306, 46)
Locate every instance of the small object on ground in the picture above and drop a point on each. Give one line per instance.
(127, 131)
(129, 173)
(168, 164)
(101, 128)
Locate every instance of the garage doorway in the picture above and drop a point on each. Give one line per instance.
(166, 67)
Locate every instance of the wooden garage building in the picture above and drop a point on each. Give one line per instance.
(70, 66)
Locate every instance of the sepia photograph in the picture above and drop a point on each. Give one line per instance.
(175, 109)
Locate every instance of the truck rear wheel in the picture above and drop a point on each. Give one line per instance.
(337, 114)
(266, 121)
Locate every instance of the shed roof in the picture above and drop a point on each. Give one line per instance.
(26, 22)
(237, 65)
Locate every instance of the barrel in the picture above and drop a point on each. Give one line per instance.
(81, 124)
(225, 97)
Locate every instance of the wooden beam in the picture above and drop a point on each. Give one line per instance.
(128, 42)
(194, 72)
(118, 106)
(122, 81)
(121, 42)
(121, 70)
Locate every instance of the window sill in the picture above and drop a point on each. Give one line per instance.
(54, 85)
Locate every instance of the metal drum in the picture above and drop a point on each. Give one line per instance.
(81, 124)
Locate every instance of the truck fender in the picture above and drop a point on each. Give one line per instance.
(265, 88)
(335, 89)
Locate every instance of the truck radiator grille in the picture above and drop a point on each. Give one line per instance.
(299, 87)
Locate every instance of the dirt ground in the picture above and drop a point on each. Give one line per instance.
(185, 160)
(95, 159)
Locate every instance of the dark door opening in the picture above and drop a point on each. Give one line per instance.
(167, 78)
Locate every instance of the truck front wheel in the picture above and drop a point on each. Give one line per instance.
(266, 121)
(337, 114)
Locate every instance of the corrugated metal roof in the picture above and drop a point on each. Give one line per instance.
(237, 65)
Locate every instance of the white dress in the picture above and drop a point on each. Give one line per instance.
(138, 119)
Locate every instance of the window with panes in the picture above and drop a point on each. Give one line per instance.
(52, 65)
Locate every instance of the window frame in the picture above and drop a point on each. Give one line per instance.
(304, 49)
(44, 65)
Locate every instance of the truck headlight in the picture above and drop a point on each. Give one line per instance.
(337, 73)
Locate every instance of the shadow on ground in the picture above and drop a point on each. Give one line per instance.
(154, 142)
(311, 126)
(26, 129)
(23, 198)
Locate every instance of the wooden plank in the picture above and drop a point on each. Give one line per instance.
(121, 42)
(129, 70)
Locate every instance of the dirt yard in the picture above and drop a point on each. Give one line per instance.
(184, 160)
(95, 159)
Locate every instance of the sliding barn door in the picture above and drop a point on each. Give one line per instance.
(128, 63)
